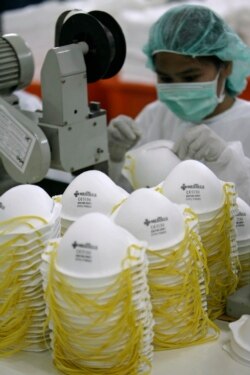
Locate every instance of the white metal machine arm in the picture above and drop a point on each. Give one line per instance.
(76, 131)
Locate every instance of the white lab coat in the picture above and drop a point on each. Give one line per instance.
(156, 121)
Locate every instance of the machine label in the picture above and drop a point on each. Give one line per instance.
(16, 142)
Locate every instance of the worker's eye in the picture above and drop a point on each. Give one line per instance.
(164, 79)
(184, 78)
(192, 78)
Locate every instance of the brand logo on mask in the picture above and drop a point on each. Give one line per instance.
(159, 219)
(194, 186)
(84, 194)
(241, 214)
(87, 245)
(2, 207)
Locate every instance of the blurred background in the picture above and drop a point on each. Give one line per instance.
(133, 86)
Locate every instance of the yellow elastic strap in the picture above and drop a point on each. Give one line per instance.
(116, 206)
(57, 198)
(223, 263)
(71, 352)
(131, 169)
(15, 319)
(8, 225)
(179, 307)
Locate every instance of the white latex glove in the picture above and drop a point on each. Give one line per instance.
(122, 135)
(200, 143)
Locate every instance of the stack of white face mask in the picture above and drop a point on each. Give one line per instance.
(177, 268)
(98, 302)
(214, 202)
(239, 345)
(91, 191)
(28, 219)
(148, 165)
(243, 241)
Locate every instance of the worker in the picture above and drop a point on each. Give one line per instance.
(201, 66)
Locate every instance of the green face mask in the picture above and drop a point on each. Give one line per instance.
(191, 102)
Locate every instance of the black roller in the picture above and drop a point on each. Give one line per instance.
(59, 24)
(118, 41)
(102, 34)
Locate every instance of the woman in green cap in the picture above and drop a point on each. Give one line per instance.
(201, 66)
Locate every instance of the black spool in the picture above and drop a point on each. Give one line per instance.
(103, 35)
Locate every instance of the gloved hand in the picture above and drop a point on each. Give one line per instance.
(200, 143)
(122, 135)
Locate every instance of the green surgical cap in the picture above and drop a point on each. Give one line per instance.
(195, 30)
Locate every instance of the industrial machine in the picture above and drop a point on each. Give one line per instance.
(69, 134)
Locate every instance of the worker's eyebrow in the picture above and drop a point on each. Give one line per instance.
(181, 73)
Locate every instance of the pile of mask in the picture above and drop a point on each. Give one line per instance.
(98, 303)
(91, 191)
(177, 275)
(29, 218)
(243, 241)
(238, 346)
(214, 202)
